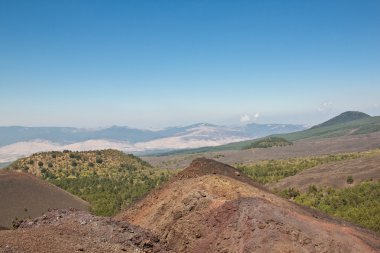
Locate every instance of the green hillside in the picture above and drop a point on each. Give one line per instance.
(107, 179)
(361, 126)
(359, 204)
(229, 146)
(344, 118)
(269, 171)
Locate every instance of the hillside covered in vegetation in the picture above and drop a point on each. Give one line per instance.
(339, 126)
(107, 179)
(344, 118)
(269, 171)
(359, 204)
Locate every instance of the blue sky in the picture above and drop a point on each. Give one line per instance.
(160, 63)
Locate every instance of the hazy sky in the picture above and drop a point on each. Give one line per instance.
(159, 63)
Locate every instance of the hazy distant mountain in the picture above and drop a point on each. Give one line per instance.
(347, 123)
(17, 141)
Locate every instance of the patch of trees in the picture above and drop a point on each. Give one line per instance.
(269, 142)
(108, 195)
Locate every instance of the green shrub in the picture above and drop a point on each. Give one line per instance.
(312, 189)
(43, 171)
(290, 193)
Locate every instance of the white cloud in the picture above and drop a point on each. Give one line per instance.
(325, 106)
(245, 118)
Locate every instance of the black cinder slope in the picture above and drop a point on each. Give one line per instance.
(23, 195)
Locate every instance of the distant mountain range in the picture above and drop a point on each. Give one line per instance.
(347, 123)
(18, 141)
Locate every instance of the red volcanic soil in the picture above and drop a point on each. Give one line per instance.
(23, 195)
(209, 207)
(202, 167)
(256, 225)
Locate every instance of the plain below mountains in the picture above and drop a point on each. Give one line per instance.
(18, 141)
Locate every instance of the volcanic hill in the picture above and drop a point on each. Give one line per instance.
(212, 207)
(56, 164)
(107, 179)
(23, 195)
